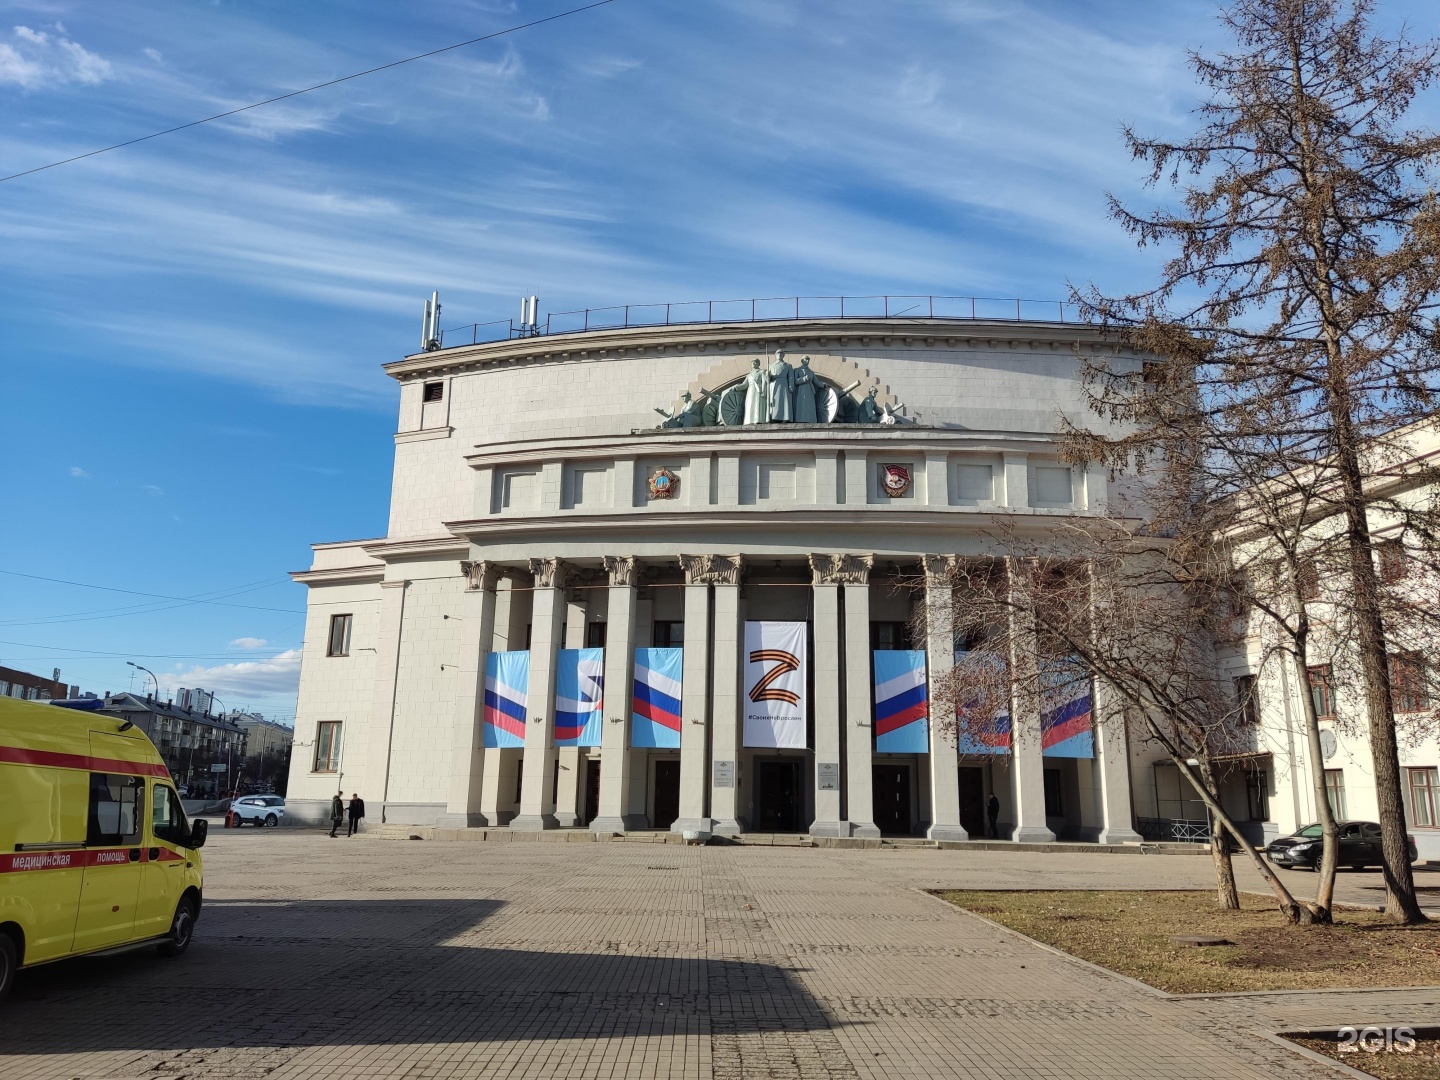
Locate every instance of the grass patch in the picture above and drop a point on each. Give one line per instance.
(1421, 1063)
(1129, 932)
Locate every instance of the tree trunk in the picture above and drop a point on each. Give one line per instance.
(1329, 830)
(1227, 894)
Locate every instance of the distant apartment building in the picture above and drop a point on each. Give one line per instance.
(197, 747)
(22, 684)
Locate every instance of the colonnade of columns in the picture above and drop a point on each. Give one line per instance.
(711, 707)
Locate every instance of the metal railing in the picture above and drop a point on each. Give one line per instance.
(1173, 829)
(769, 309)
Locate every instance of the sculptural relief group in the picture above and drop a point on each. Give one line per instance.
(782, 393)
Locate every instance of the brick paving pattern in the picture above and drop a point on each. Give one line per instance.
(365, 958)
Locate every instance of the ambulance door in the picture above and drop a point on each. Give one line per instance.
(44, 874)
(164, 860)
(112, 861)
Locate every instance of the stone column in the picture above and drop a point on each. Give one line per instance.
(1112, 768)
(859, 697)
(725, 778)
(382, 695)
(1026, 741)
(619, 680)
(939, 660)
(826, 599)
(537, 803)
(467, 753)
(567, 800)
(700, 572)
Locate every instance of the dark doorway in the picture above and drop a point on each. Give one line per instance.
(778, 795)
(892, 799)
(667, 792)
(592, 788)
(972, 800)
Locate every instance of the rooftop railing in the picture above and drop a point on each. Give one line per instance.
(768, 309)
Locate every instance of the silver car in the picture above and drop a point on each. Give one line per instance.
(258, 810)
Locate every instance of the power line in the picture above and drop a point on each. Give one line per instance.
(308, 89)
(153, 596)
(84, 654)
(126, 610)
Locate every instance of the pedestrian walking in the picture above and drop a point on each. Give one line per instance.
(992, 812)
(337, 813)
(357, 812)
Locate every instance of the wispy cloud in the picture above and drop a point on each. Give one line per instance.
(248, 643)
(153, 490)
(38, 59)
(78, 473)
(279, 674)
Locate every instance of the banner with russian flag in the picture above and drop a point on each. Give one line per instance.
(579, 696)
(983, 723)
(1066, 726)
(901, 702)
(507, 686)
(655, 712)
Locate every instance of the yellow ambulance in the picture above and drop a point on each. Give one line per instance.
(95, 852)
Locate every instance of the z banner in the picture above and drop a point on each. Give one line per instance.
(901, 703)
(579, 697)
(775, 670)
(655, 712)
(507, 684)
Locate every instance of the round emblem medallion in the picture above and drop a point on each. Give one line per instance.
(895, 479)
(664, 484)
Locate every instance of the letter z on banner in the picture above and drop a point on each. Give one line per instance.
(775, 669)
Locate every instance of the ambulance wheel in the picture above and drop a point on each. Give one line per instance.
(182, 929)
(8, 962)
(271, 821)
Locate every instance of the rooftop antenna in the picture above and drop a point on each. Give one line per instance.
(529, 315)
(430, 324)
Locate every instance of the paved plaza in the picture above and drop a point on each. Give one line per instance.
(367, 958)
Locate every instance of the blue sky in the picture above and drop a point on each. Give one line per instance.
(192, 329)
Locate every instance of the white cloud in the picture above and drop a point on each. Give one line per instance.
(153, 490)
(154, 54)
(280, 674)
(248, 643)
(78, 473)
(38, 59)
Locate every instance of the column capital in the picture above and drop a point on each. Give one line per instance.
(939, 569)
(623, 569)
(712, 569)
(480, 575)
(841, 569)
(551, 573)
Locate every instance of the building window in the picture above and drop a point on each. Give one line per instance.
(1392, 560)
(327, 746)
(1322, 691)
(1307, 579)
(889, 635)
(1249, 705)
(668, 634)
(1335, 792)
(1424, 798)
(1257, 793)
(595, 635)
(434, 391)
(339, 643)
(1054, 804)
(1407, 683)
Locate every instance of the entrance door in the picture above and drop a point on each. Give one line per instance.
(667, 792)
(592, 783)
(892, 799)
(972, 800)
(778, 796)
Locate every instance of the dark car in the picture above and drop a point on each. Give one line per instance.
(1359, 847)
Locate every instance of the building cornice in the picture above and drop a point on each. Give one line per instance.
(426, 547)
(637, 342)
(340, 575)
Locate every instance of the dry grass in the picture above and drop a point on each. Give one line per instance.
(1129, 932)
(1422, 1063)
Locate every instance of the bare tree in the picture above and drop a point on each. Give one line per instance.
(1301, 303)
(1101, 600)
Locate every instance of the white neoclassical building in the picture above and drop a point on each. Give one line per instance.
(647, 578)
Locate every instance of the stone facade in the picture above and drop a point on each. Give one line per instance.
(523, 517)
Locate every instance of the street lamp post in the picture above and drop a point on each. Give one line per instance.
(147, 671)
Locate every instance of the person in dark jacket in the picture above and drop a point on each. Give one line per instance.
(357, 811)
(992, 812)
(337, 813)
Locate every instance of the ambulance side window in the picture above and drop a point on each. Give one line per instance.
(168, 816)
(117, 809)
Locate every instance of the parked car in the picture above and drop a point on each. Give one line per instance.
(258, 810)
(1359, 847)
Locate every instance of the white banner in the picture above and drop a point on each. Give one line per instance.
(774, 701)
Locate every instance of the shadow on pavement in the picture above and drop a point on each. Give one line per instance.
(380, 972)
